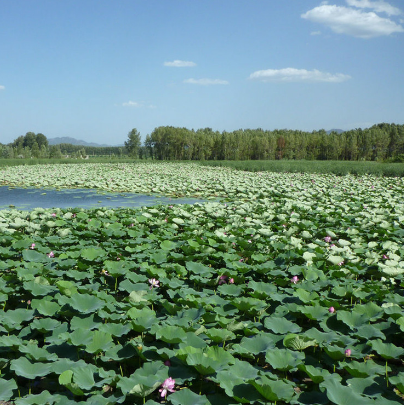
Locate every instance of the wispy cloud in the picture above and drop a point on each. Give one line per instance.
(350, 21)
(136, 104)
(132, 104)
(180, 63)
(205, 82)
(297, 75)
(315, 33)
(2, 87)
(378, 6)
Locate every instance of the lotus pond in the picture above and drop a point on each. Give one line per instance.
(289, 290)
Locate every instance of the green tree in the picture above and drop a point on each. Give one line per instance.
(133, 143)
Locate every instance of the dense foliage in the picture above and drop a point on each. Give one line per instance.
(379, 142)
(288, 291)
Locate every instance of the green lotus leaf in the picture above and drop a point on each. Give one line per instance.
(342, 395)
(10, 341)
(260, 343)
(83, 377)
(81, 337)
(281, 325)
(230, 289)
(136, 297)
(187, 397)
(13, 318)
(168, 245)
(45, 324)
(67, 288)
(198, 268)
(219, 335)
(39, 286)
(171, 334)
(144, 380)
(363, 369)
(369, 332)
(115, 329)
(100, 342)
(119, 352)
(45, 307)
(352, 319)
(85, 303)
(45, 397)
(33, 256)
(386, 350)
(335, 259)
(297, 342)
(85, 322)
(25, 368)
(92, 254)
(398, 381)
(159, 257)
(115, 268)
(284, 359)
(261, 289)
(274, 390)
(6, 389)
(370, 309)
(317, 374)
(35, 353)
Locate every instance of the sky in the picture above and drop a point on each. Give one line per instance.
(95, 69)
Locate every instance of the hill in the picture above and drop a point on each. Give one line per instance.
(338, 131)
(73, 141)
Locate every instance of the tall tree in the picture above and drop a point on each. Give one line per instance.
(133, 143)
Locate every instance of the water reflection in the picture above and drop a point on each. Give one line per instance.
(29, 198)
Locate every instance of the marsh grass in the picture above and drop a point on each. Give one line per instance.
(313, 166)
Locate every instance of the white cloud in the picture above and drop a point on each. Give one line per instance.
(180, 63)
(205, 82)
(2, 87)
(379, 6)
(132, 104)
(345, 20)
(315, 33)
(297, 75)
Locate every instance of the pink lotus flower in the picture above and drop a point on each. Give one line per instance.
(222, 279)
(231, 281)
(32, 246)
(167, 386)
(51, 254)
(154, 283)
(167, 363)
(294, 279)
(340, 263)
(331, 310)
(53, 215)
(327, 239)
(348, 352)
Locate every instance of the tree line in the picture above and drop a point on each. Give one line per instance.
(378, 143)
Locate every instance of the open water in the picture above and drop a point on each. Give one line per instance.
(29, 198)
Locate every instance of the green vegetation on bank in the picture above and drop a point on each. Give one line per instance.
(381, 142)
(289, 291)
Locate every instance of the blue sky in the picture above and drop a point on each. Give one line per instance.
(95, 69)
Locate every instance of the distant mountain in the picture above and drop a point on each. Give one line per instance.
(338, 131)
(72, 141)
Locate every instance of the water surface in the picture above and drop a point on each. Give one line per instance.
(29, 198)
